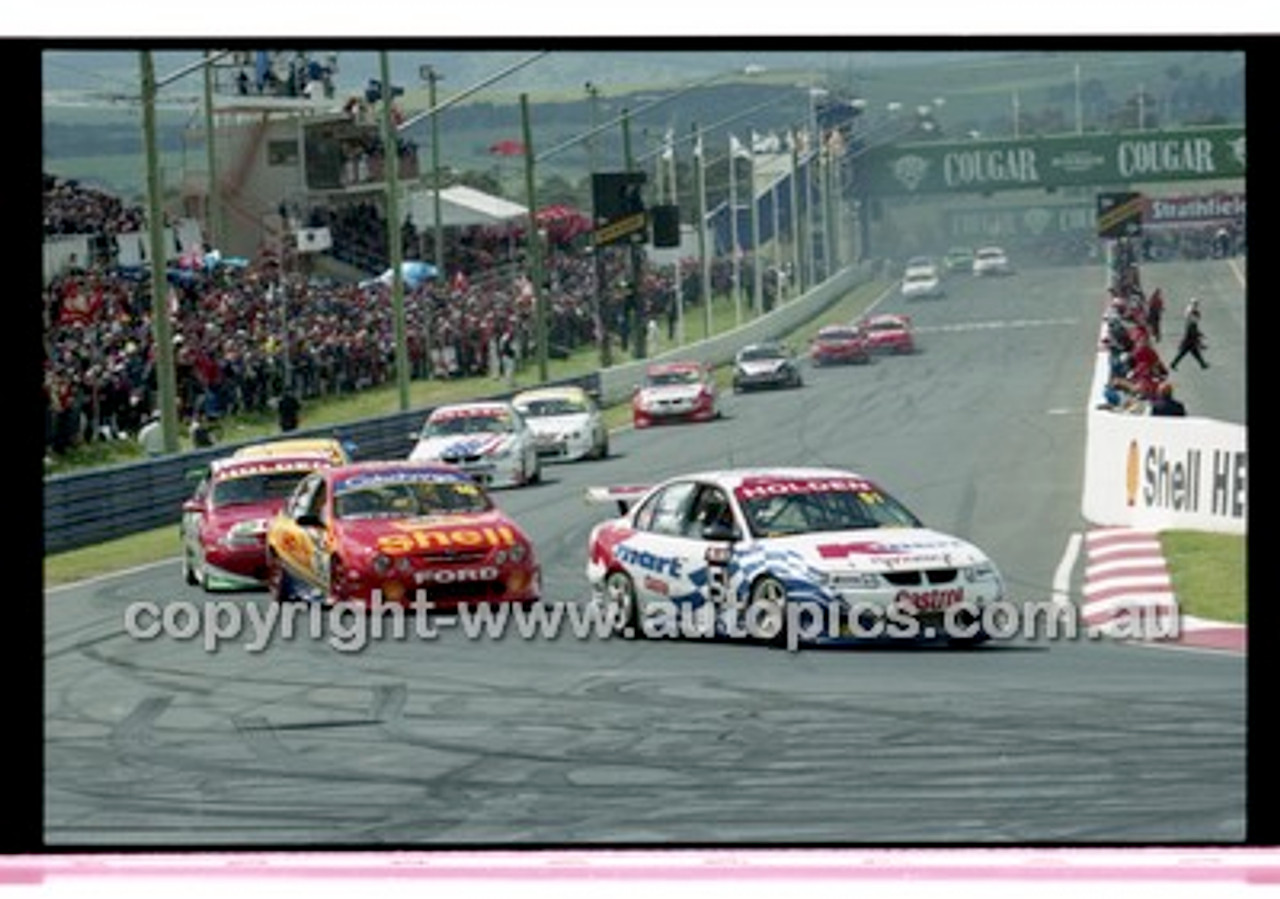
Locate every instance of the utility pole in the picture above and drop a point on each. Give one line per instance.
(535, 243)
(633, 248)
(704, 264)
(597, 251)
(433, 77)
(391, 164)
(161, 329)
(213, 206)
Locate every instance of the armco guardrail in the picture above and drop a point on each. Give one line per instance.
(82, 509)
(616, 383)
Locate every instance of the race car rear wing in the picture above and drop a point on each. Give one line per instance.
(624, 496)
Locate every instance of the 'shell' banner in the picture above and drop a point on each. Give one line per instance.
(984, 166)
(1157, 473)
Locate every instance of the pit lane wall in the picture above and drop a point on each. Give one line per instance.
(1156, 473)
(617, 382)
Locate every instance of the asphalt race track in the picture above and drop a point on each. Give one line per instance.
(579, 742)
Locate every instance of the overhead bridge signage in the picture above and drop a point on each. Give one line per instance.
(619, 229)
(984, 166)
(1120, 214)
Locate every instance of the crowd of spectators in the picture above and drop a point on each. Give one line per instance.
(1138, 380)
(246, 335)
(74, 208)
(1208, 241)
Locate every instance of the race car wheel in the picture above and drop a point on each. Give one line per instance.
(967, 621)
(278, 585)
(767, 611)
(337, 574)
(621, 605)
(188, 569)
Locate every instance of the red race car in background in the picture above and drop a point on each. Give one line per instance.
(675, 391)
(889, 333)
(395, 531)
(839, 345)
(224, 523)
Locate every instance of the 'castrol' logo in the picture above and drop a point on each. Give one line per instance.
(928, 600)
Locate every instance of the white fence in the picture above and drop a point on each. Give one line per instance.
(132, 248)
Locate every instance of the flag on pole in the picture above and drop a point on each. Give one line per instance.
(736, 149)
(765, 143)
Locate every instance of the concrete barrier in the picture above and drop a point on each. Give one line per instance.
(616, 383)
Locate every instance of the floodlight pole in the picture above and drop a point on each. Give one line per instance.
(535, 243)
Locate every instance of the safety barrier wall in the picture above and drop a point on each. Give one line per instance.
(617, 382)
(1157, 473)
(82, 509)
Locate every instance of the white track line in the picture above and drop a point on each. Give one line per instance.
(1062, 575)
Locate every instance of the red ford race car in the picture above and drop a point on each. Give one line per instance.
(224, 523)
(839, 345)
(397, 531)
(889, 333)
(675, 391)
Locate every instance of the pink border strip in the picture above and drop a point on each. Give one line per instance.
(1063, 865)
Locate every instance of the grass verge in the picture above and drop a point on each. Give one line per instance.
(162, 543)
(1208, 574)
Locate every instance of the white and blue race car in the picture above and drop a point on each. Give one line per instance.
(489, 440)
(784, 556)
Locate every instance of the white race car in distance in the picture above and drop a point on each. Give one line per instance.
(785, 556)
(922, 281)
(489, 440)
(991, 261)
(566, 423)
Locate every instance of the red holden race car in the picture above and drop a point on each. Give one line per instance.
(839, 344)
(224, 523)
(675, 391)
(889, 333)
(398, 531)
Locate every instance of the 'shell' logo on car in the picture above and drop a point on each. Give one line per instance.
(457, 538)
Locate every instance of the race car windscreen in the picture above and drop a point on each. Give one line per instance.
(549, 407)
(467, 423)
(255, 488)
(760, 352)
(666, 378)
(409, 499)
(797, 508)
